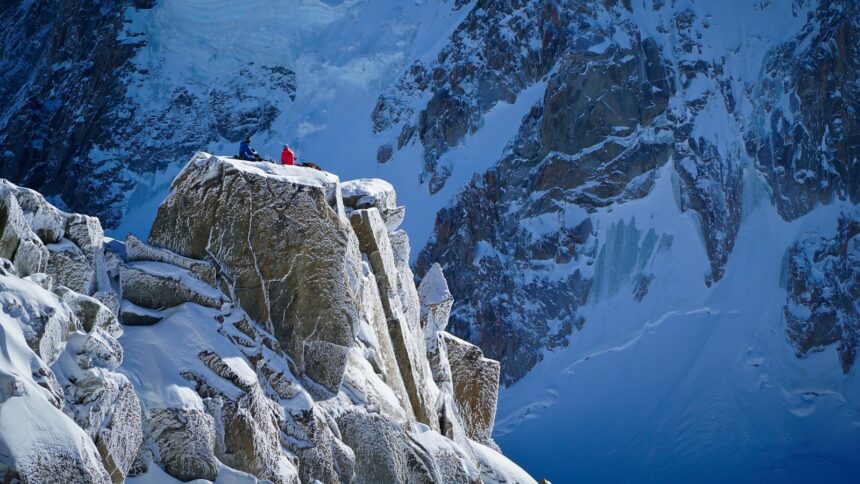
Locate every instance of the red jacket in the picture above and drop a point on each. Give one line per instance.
(288, 157)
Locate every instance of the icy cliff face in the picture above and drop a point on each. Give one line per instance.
(268, 332)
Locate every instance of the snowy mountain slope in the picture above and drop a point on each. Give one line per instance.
(699, 383)
(702, 306)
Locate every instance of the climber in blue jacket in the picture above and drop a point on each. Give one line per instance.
(248, 153)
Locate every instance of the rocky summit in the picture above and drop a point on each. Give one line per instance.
(270, 329)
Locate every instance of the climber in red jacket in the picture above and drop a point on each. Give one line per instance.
(287, 156)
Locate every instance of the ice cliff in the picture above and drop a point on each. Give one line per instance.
(269, 329)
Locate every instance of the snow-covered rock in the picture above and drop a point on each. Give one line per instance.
(69, 267)
(45, 322)
(334, 386)
(44, 219)
(137, 250)
(91, 312)
(18, 242)
(156, 285)
(823, 288)
(102, 402)
(403, 323)
(184, 441)
(374, 193)
(436, 302)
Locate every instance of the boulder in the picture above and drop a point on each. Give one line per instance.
(48, 223)
(69, 267)
(91, 312)
(137, 250)
(18, 243)
(31, 257)
(185, 442)
(109, 411)
(133, 315)
(86, 232)
(476, 387)
(279, 234)
(383, 450)
(45, 322)
(109, 298)
(155, 285)
(99, 350)
(374, 193)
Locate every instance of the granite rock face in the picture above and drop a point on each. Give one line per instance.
(476, 387)
(805, 134)
(588, 145)
(462, 90)
(281, 248)
(409, 349)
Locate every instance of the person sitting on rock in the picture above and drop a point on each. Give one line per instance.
(246, 152)
(287, 156)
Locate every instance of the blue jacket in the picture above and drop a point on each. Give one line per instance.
(245, 151)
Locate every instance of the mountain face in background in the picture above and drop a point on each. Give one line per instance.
(648, 201)
(61, 77)
(631, 88)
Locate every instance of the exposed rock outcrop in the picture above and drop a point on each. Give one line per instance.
(74, 336)
(374, 193)
(156, 285)
(402, 322)
(333, 382)
(476, 387)
(278, 275)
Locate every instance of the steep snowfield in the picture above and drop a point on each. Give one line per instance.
(693, 382)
